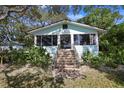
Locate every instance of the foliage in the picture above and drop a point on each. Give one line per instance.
(90, 59)
(34, 55)
(111, 47)
(18, 57)
(103, 17)
(15, 21)
(26, 39)
(38, 56)
(111, 58)
(115, 44)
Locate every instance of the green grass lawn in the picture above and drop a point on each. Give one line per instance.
(95, 79)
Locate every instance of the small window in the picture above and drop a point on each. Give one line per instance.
(65, 26)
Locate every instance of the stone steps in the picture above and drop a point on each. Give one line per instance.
(66, 63)
(66, 58)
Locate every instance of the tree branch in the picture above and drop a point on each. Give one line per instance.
(5, 10)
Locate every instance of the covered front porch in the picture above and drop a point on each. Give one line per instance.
(82, 42)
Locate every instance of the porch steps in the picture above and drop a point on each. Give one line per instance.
(66, 59)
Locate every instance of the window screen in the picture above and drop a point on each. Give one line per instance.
(81, 39)
(49, 40)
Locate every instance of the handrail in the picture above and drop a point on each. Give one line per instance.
(76, 55)
(56, 56)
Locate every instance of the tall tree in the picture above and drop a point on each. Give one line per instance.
(101, 16)
(16, 20)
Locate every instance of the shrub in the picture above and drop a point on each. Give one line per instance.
(38, 56)
(35, 56)
(112, 58)
(94, 61)
(18, 57)
(112, 46)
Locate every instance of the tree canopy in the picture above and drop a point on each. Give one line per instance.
(103, 17)
(16, 20)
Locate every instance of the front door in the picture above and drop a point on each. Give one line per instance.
(65, 41)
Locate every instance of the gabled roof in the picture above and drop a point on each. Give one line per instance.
(70, 22)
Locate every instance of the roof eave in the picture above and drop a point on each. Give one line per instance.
(66, 21)
(90, 27)
(42, 28)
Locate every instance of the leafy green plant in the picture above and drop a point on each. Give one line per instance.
(18, 57)
(34, 55)
(94, 61)
(112, 58)
(38, 56)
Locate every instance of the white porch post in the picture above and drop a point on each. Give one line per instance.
(72, 41)
(35, 40)
(58, 41)
(97, 42)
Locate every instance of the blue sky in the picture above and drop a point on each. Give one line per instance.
(77, 16)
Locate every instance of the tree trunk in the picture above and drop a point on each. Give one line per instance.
(1, 60)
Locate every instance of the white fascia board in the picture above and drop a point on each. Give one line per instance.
(65, 21)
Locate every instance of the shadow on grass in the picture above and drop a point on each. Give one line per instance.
(29, 80)
(113, 74)
(117, 77)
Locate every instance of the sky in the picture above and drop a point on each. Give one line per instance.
(77, 16)
(122, 13)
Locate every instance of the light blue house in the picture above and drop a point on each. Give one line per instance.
(68, 35)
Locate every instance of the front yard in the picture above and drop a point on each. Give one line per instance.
(30, 76)
(95, 79)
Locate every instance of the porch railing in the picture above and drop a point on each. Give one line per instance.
(55, 57)
(76, 55)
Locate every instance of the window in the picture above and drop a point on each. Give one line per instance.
(65, 26)
(46, 40)
(84, 39)
(81, 39)
(76, 40)
(38, 40)
(49, 40)
(92, 39)
(54, 40)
